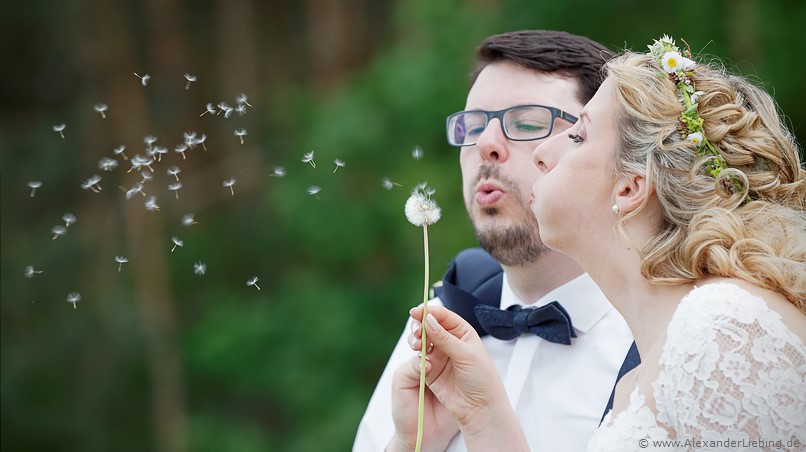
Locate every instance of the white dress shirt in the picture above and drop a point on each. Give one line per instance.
(559, 392)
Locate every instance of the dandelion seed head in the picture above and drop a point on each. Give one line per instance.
(151, 204)
(339, 163)
(173, 171)
(73, 297)
(144, 79)
(147, 175)
(34, 184)
(188, 220)
(180, 148)
(229, 182)
(252, 281)
(138, 188)
(58, 230)
(242, 99)
(149, 140)
(59, 127)
(30, 271)
(200, 268)
(100, 108)
(314, 190)
(420, 209)
(241, 109)
(279, 171)
(190, 77)
(307, 157)
(175, 186)
(417, 153)
(239, 132)
(119, 149)
(121, 259)
(177, 242)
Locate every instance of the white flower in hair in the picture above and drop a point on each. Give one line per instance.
(695, 137)
(421, 210)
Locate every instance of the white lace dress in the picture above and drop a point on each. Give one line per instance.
(732, 376)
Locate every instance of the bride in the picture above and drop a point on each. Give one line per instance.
(682, 194)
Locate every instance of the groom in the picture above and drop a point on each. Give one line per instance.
(526, 87)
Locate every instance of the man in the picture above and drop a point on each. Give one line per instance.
(526, 87)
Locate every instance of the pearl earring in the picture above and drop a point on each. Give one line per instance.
(614, 208)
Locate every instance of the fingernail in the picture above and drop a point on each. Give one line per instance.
(412, 341)
(432, 321)
(415, 326)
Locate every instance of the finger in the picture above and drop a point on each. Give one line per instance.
(416, 344)
(458, 344)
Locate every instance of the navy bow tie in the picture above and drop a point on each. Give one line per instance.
(551, 322)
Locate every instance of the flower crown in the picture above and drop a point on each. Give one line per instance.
(679, 67)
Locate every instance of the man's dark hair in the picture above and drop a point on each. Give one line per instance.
(549, 51)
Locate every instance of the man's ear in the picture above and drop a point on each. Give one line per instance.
(631, 191)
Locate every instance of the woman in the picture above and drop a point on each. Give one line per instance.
(682, 194)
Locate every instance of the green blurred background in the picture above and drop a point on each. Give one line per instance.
(158, 358)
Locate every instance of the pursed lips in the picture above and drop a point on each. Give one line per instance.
(488, 193)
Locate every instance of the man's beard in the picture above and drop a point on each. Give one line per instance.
(515, 244)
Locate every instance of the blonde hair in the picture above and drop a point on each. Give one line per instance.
(708, 229)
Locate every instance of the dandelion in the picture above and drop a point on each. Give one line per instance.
(278, 171)
(121, 260)
(174, 171)
(252, 282)
(422, 211)
(188, 220)
(58, 231)
(229, 183)
(33, 185)
(73, 297)
(60, 128)
(417, 153)
(314, 191)
(339, 164)
(210, 108)
(69, 219)
(201, 141)
(101, 108)
(241, 99)
(119, 151)
(147, 176)
(151, 204)
(240, 133)
(175, 188)
(107, 164)
(308, 158)
(92, 184)
(388, 184)
(30, 271)
(177, 242)
(144, 79)
(200, 268)
(190, 78)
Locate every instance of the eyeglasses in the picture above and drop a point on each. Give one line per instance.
(521, 123)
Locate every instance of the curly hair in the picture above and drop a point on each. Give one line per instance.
(758, 234)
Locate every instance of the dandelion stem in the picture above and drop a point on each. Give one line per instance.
(120, 265)
(423, 347)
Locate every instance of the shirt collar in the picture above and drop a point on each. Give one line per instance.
(581, 297)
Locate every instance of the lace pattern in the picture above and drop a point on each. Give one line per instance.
(730, 370)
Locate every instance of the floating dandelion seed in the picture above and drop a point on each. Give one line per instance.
(138, 161)
(314, 191)
(30, 272)
(200, 268)
(147, 176)
(159, 151)
(240, 133)
(60, 128)
(69, 219)
(339, 164)
(180, 149)
(175, 188)
(188, 220)
(308, 158)
(190, 78)
(210, 108)
(101, 108)
(92, 184)
(241, 99)
(174, 171)
(279, 171)
(241, 109)
(229, 183)
(144, 79)
(388, 184)
(149, 140)
(151, 204)
(252, 282)
(120, 260)
(177, 242)
(138, 188)
(417, 153)
(225, 108)
(201, 141)
(119, 151)
(33, 185)
(107, 164)
(190, 138)
(73, 297)
(58, 231)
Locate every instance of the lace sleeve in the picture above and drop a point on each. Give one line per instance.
(732, 371)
